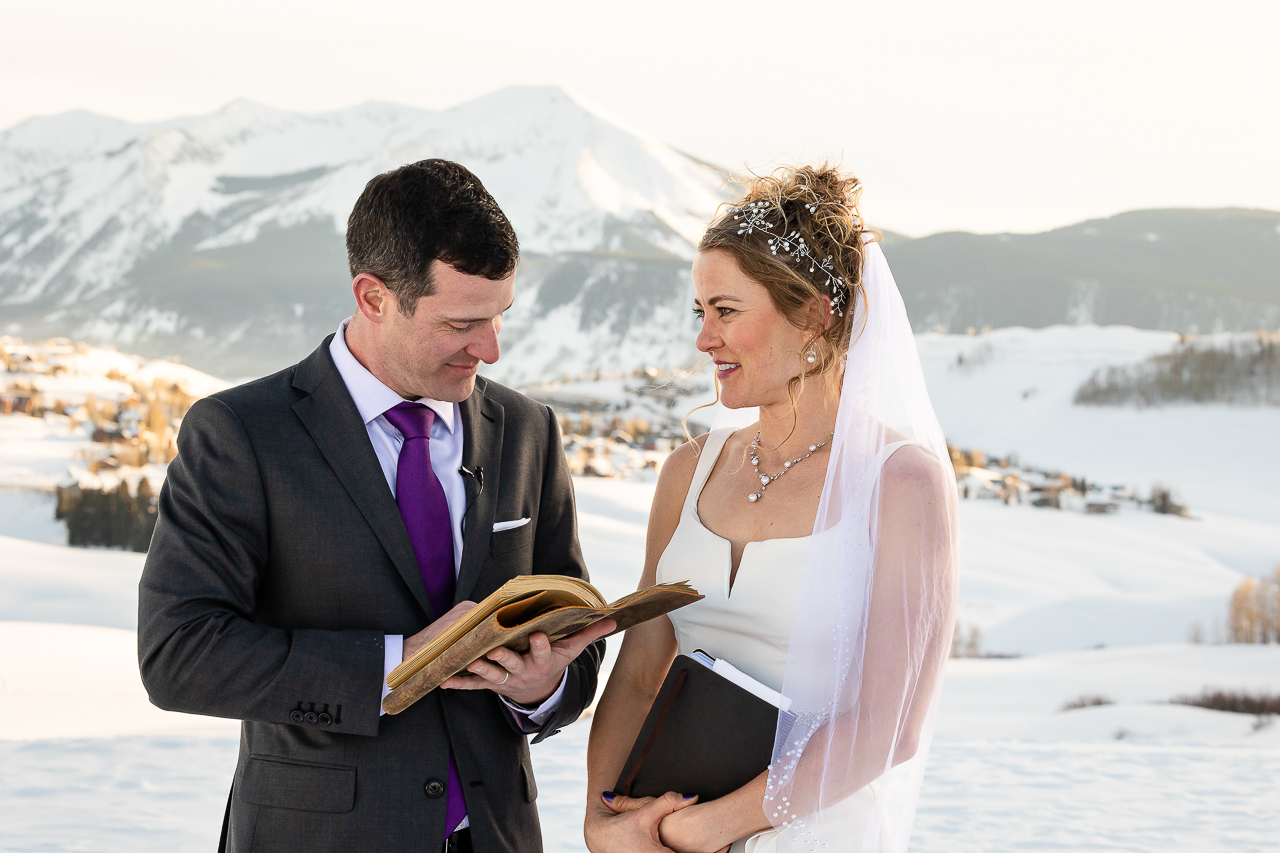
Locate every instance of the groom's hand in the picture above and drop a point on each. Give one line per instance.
(530, 678)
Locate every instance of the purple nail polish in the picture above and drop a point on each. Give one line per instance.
(688, 796)
(608, 796)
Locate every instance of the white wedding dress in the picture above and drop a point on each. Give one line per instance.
(747, 623)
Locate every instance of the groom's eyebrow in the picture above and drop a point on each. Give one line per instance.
(478, 319)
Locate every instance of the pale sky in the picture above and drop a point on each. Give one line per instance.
(988, 116)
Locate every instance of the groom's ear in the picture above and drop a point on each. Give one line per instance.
(374, 299)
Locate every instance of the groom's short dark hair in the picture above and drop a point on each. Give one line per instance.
(426, 211)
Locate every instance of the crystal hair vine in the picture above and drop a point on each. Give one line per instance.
(755, 215)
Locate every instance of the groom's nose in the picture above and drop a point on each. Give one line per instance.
(484, 345)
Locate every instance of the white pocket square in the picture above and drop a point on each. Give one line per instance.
(499, 526)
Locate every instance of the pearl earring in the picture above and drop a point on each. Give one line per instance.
(811, 356)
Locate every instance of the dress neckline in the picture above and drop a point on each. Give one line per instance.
(716, 441)
(691, 504)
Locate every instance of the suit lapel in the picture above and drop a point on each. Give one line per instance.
(330, 416)
(481, 449)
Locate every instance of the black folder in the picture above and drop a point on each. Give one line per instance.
(704, 735)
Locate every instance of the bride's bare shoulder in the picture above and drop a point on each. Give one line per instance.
(912, 471)
(673, 484)
(677, 470)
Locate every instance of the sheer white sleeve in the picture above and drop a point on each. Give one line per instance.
(876, 609)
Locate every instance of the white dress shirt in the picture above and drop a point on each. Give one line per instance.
(372, 399)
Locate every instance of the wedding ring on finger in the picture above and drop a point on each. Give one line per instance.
(505, 677)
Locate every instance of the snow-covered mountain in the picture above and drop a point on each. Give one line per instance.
(1194, 271)
(218, 238)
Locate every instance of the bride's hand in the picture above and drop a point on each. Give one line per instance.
(678, 830)
(685, 832)
(628, 824)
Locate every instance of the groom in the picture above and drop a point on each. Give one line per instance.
(321, 524)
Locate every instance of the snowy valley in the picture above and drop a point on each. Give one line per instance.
(1091, 605)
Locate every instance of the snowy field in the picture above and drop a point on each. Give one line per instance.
(1097, 605)
(35, 452)
(166, 794)
(87, 764)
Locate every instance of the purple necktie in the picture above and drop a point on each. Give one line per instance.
(426, 517)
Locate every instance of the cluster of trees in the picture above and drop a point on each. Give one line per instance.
(108, 518)
(1245, 372)
(1235, 701)
(626, 430)
(1254, 614)
(1162, 502)
(966, 645)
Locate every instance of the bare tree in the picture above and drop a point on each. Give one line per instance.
(1254, 612)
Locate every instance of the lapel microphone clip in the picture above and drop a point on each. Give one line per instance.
(478, 476)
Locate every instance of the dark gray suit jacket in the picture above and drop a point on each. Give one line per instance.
(280, 561)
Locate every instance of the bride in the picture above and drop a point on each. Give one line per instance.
(822, 537)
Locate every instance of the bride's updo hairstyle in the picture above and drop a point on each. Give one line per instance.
(798, 234)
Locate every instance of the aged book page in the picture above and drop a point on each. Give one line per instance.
(554, 604)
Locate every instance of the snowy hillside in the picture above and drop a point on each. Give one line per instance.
(218, 237)
(1010, 770)
(1011, 391)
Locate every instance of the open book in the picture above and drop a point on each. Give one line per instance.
(556, 605)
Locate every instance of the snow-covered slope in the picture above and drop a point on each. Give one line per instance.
(218, 237)
(50, 671)
(81, 586)
(1037, 580)
(1011, 390)
(1009, 770)
(1139, 684)
(35, 452)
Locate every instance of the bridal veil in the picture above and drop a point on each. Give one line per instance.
(875, 614)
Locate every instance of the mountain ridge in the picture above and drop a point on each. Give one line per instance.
(218, 238)
(1178, 269)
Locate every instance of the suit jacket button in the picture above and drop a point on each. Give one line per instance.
(325, 719)
(296, 716)
(311, 718)
(435, 788)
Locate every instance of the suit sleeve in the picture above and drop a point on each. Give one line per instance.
(200, 649)
(556, 550)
